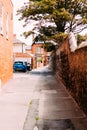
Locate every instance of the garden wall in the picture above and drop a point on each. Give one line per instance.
(72, 68)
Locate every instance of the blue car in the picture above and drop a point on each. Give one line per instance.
(19, 66)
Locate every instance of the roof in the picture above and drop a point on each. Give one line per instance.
(38, 42)
(15, 40)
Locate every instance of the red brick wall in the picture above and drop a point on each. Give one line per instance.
(6, 52)
(34, 59)
(72, 67)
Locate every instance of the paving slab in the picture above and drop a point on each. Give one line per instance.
(52, 105)
(14, 101)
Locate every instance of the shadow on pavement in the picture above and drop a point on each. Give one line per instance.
(62, 124)
(41, 71)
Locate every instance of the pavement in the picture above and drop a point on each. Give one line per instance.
(38, 101)
(15, 97)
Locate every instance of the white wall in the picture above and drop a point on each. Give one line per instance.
(23, 59)
(19, 48)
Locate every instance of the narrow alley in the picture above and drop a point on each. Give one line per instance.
(37, 101)
(53, 107)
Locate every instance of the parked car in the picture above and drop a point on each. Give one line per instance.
(19, 66)
(28, 65)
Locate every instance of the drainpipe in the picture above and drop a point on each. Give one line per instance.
(22, 47)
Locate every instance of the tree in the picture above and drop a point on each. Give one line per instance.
(55, 16)
(81, 38)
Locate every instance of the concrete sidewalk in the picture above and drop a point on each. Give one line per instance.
(37, 101)
(54, 108)
(15, 97)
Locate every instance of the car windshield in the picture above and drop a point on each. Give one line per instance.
(18, 62)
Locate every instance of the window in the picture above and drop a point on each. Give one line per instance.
(1, 18)
(42, 50)
(7, 26)
(39, 50)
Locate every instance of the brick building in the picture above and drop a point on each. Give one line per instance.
(40, 56)
(6, 40)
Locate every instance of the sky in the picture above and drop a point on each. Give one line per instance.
(18, 28)
(18, 25)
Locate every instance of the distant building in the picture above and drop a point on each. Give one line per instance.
(6, 40)
(20, 53)
(18, 46)
(28, 49)
(40, 56)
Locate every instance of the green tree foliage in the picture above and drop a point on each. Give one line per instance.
(56, 16)
(81, 38)
(49, 47)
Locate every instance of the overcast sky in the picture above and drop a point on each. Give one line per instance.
(18, 25)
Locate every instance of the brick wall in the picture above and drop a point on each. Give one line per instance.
(72, 67)
(42, 54)
(6, 52)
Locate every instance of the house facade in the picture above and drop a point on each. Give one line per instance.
(28, 49)
(19, 51)
(6, 40)
(40, 56)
